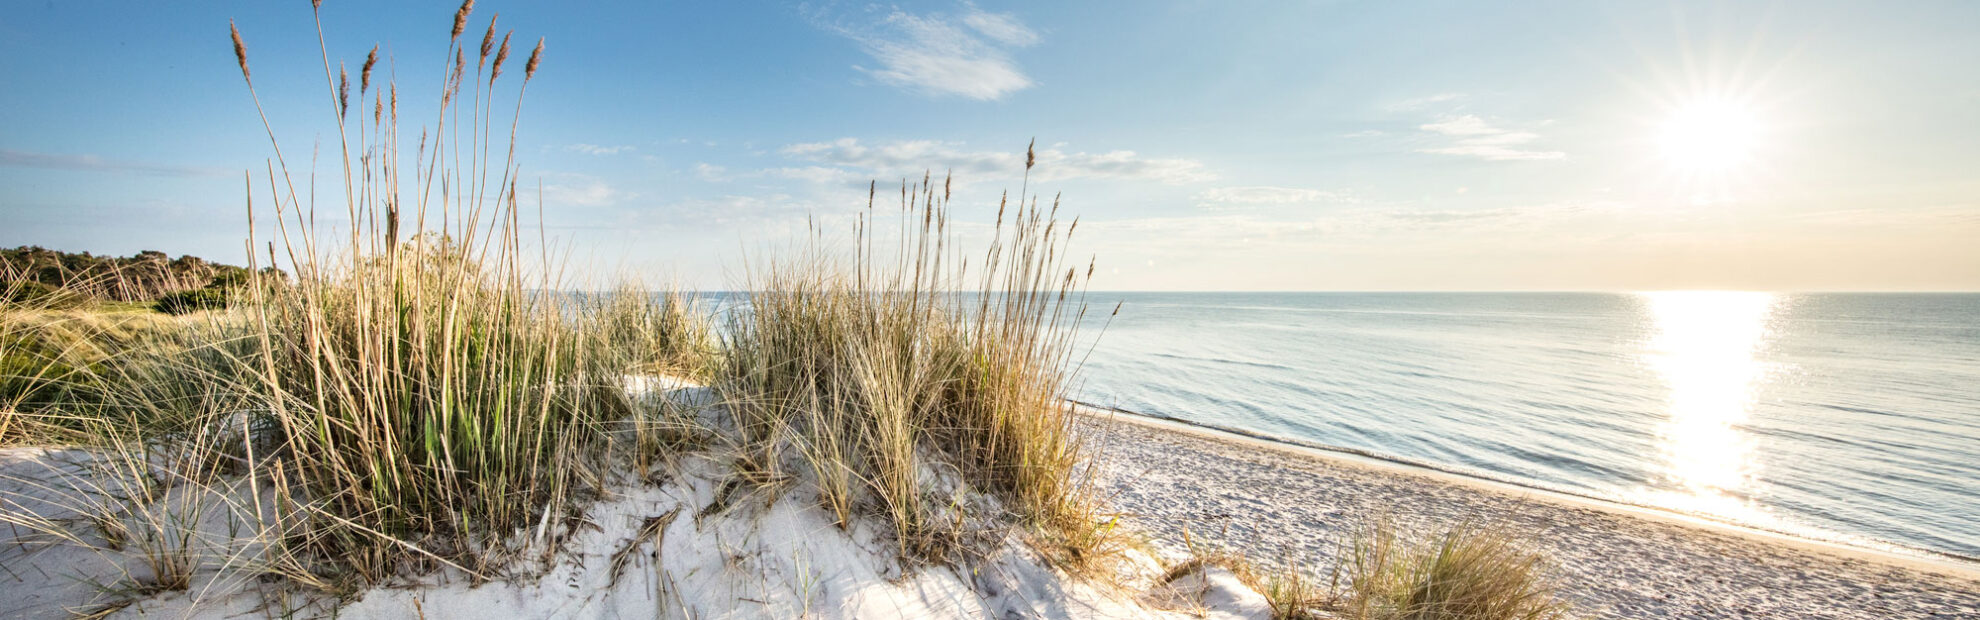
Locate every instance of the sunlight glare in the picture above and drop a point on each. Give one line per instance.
(1704, 349)
(1709, 135)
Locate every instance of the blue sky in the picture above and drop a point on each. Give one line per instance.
(1206, 145)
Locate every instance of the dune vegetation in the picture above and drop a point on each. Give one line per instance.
(420, 395)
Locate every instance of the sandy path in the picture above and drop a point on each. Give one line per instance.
(1269, 503)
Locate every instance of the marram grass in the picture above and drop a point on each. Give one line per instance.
(890, 377)
(1465, 572)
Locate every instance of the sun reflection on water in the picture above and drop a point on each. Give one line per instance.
(1704, 349)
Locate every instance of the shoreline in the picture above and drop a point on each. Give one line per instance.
(1943, 563)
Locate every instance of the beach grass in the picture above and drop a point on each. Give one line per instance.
(895, 371)
(435, 398)
(1466, 571)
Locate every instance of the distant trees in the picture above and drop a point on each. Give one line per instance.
(144, 276)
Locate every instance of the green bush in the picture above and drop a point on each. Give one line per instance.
(184, 302)
(29, 293)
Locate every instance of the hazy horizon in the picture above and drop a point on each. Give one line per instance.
(1325, 147)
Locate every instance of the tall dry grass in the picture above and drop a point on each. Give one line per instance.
(652, 333)
(437, 403)
(899, 375)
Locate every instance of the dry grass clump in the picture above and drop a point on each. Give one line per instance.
(1467, 572)
(1289, 589)
(894, 383)
(663, 333)
(428, 398)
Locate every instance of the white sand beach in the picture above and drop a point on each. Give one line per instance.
(1274, 501)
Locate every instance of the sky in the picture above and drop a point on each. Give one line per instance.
(1204, 145)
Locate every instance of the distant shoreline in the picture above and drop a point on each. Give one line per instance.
(1884, 552)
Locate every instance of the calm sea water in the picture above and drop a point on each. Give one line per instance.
(1852, 416)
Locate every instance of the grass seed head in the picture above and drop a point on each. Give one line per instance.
(343, 91)
(460, 17)
(240, 50)
(364, 75)
(501, 56)
(535, 55)
(488, 39)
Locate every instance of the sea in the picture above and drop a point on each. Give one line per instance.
(1841, 416)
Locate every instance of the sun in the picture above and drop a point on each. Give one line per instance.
(1709, 135)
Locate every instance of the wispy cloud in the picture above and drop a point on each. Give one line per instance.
(913, 156)
(1002, 27)
(945, 55)
(1263, 195)
(56, 161)
(1474, 137)
(581, 190)
(823, 175)
(711, 172)
(593, 149)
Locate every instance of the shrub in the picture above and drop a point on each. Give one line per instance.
(186, 302)
(35, 294)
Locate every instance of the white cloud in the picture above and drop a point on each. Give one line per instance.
(1466, 125)
(760, 211)
(823, 175)
(910, 157)
(580, 190)
(711, 172)
(593, 149)
(943, 55)
(1227, 197)
(1003, 27)
(1477, 138)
